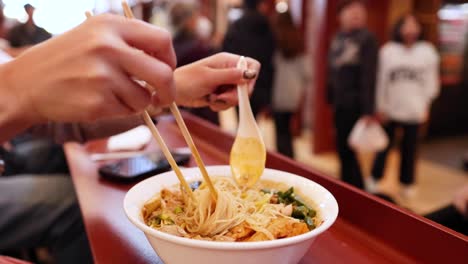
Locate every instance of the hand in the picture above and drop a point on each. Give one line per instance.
(87, 73)
(212, 81)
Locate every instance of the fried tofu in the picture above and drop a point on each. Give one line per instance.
(281, 228)
(240, 232)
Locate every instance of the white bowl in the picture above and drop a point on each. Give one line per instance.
(177, 250)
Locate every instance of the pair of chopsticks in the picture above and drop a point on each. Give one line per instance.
(186, 134)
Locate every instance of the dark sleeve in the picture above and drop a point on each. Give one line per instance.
(229, 42)
(369, 54)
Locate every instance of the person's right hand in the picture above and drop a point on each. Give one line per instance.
(86, 73)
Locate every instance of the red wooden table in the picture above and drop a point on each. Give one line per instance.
(368, 230)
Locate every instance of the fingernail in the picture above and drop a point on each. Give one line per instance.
(250, 74)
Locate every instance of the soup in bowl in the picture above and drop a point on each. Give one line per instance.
(281, 248)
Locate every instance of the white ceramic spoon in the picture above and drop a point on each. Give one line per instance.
(248, 154)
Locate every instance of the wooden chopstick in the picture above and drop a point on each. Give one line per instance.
(183, 128)
(127, 10)
(154, 130)
(188, 138)
(167, 153)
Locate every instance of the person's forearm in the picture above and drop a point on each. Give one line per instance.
(10, 125)
(13, 119)
(15, 52)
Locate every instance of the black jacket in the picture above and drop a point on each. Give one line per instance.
(251, 36)
(352, 70)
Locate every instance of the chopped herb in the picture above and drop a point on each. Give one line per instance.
(289, 192)
(178, 210)
(160, 219)
(164, 216)
(154, 222)
(300, 212)
(298, 201)
(310, 222)
(312, 213)
(168, 221)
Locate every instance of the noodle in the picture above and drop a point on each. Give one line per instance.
(237, 215)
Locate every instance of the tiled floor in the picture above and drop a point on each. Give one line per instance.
(436, 180)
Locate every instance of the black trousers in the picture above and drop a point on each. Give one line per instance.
(350, 172)
(283, 133)
(408, 150)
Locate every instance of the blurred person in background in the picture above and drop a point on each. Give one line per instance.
(29, 33)
(352, 64)
(252, 36)
(292, 75)
(5, 25)
(408, 82)
(189, 45)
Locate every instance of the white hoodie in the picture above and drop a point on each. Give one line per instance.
(407, 81)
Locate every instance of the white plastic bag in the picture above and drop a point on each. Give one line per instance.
(367, 136)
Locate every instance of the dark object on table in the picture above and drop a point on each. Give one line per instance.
(137, 168)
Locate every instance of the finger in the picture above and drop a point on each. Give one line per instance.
(253, 65)
(249, 75)
(230, 98)
(156, 73)
(222, 60)
(229, 60)
(112, 107)
(153, 40)
(131, 93)
(226, 76)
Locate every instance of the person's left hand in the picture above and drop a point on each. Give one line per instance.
(212, 81)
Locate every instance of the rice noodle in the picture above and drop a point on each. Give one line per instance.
(203, 218)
